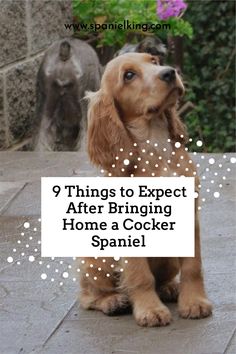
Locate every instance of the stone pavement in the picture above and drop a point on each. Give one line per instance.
(43, 316)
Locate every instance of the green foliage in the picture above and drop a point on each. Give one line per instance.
(116, 11)
(209, 71)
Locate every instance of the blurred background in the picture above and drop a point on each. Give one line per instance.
(201, 44)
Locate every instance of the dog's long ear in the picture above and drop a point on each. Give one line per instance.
(177, 129)
(106, 131)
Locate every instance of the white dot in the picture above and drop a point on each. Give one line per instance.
(224, 156)
(220, 165)
(148, 141)
(65, 275)
(199, 143)
(130, 154)
(26, 225)
(216, 194)
(155, 144)
(202, 157)
(153, 174)
(196, 195)
(160, 157)
(121, 149)
(151, 153)
(132, 175)
(44, 276)
(126, 162)
(22, 234)
(121, 269)
(35, 228)
(122, 170)
(10, 259)
(135, 144)
(95, 278)
(143, 150)
(31, 258)
(147, 162)
(39, 220)
(228, 169)
(199, 208)
(78, 270)
(211, 161)
(91, 265)
(177, 144)
(139, 159)
(108, 275)
(143, 170)
(126, 261)
(190, 139)
(87, 275)
(113, 166)
(52, 279)
(116, 258)
(164, 149)
(233, 159)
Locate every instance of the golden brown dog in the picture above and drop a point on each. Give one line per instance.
(133, 116)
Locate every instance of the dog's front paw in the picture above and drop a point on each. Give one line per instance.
(152, 316)
(199, 307)
(115, 304)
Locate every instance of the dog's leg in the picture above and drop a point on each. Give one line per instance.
(193, 302)
(139, 283)
(98, 291)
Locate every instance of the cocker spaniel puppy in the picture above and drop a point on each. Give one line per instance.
(133, 115)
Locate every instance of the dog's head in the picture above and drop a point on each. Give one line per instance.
(133, 86)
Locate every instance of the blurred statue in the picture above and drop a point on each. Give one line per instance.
(152, 45)
(69, 68)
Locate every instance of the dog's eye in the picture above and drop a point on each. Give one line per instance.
(129, 75)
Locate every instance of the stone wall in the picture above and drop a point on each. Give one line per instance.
(28, 27)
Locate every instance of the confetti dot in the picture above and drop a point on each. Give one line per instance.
(116, 259)
(211, 161)
(44, 276)
(126, 162)
(121, 269)
(177, 144)
(196, 195)
(95, 278)
(65, 275)
(233, 159)
(199, 143)
(121, 149)
(108, 275)
(10, 259)
(216, 194)
(148, 141)
(87, 275)
(135, 144)
(228, 169)
(130, 154)
(26, 225)
(126, 261)
(153, 174)
(31, 258)
(155, 144)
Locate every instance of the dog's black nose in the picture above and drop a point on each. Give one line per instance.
(167, 75)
